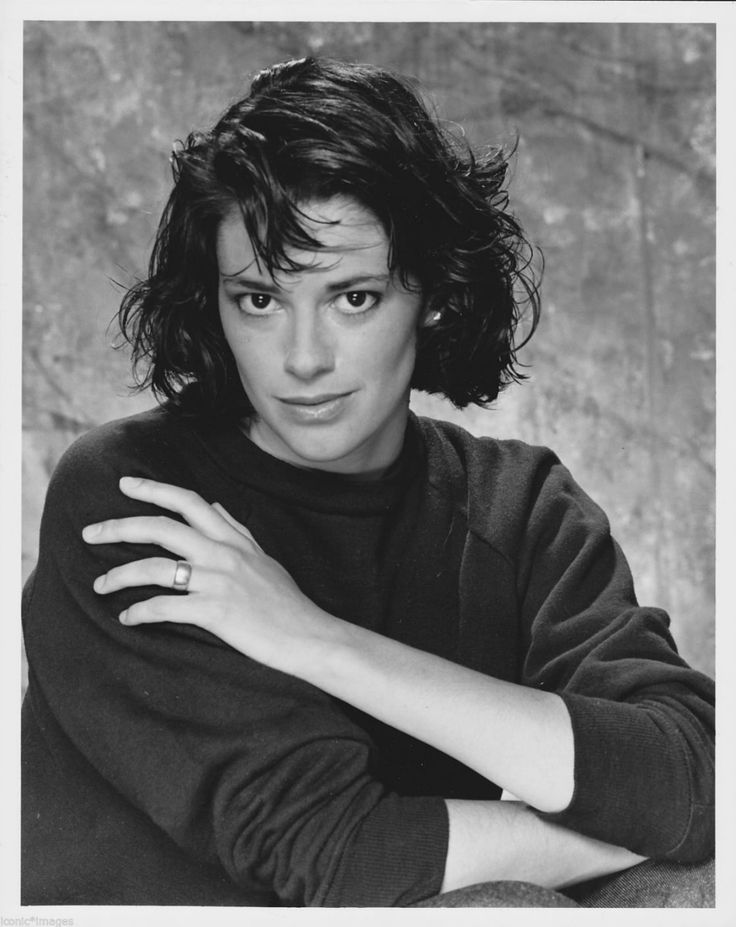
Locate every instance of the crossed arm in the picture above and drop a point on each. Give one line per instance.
(248, 600)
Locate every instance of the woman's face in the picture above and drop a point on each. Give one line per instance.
(326, 354)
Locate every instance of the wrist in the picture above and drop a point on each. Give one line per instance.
(314, 652)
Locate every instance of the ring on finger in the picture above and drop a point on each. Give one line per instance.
(182, 575)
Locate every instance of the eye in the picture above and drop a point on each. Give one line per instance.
(356, 301)
(256, 303)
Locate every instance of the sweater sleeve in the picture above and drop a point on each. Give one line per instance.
(243, 767)
(642, 719)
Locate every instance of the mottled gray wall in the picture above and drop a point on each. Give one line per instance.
(614, 178)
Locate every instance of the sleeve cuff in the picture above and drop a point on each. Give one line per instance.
(396, 857)
(631, 785)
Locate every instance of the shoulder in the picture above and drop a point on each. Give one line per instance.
(147, 444)
(504, 486)
(483, 463)
(126, 438)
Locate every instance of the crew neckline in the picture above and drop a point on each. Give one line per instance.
(249, 465)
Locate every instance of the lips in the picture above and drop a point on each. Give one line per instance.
(324, 407)
(312, 400)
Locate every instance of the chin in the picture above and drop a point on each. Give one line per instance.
(321, 450)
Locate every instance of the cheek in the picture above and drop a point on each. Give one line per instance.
(388, 363)
(251, 358)
(395, 350)
(254, 373)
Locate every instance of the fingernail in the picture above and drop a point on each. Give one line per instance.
(130, 482)
(90, 531)
(123, 617)
(99, 584)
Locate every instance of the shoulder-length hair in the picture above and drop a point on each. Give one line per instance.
(312, 129)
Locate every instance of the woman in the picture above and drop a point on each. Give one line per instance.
(288, 644)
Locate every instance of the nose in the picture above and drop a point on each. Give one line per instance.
(309, 351)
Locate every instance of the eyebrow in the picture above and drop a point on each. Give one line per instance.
(262, 286)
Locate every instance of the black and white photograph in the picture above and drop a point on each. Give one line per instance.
(367, 507)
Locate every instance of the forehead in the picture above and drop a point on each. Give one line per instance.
(348, 233)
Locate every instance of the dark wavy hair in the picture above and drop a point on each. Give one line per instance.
(312, 129)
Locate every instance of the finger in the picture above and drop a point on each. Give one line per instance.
(172, 535)
(241, 529)
(189, 504)
(179, 609)
(154, 571)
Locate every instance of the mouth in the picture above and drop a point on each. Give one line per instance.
(322, 408)
(312, 400)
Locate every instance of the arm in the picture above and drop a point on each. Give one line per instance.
(457, 710)
(247, 770)
(480, 832)
(507, 841)
(634, 704)
(654, 708)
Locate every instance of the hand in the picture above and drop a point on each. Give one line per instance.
(235, 591)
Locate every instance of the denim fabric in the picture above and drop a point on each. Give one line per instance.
(499, 895)
(651, 885)
(648, 885)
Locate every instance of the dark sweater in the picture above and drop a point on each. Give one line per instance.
(162, 767)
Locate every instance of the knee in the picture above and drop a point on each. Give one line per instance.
(653, 884)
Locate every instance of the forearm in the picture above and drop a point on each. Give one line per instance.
(492, 841)
(517, 737)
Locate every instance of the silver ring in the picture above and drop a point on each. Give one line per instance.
(182, 575)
